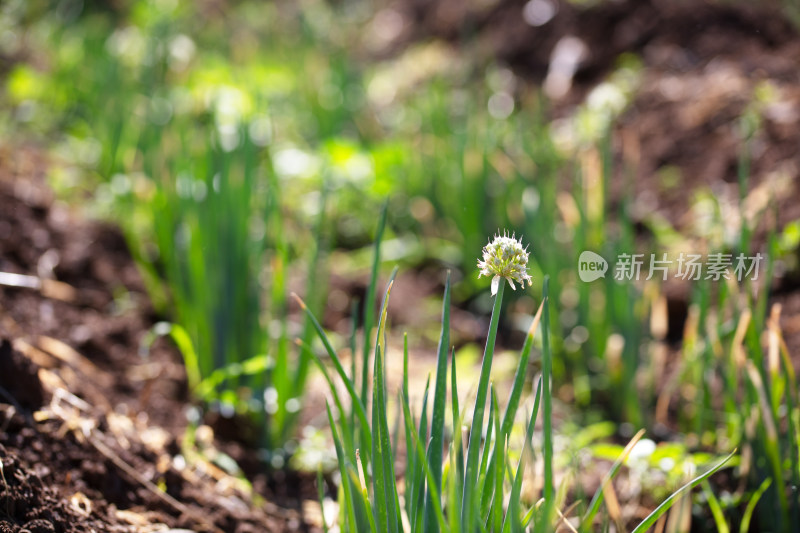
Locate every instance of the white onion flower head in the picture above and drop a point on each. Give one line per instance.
(504, 257)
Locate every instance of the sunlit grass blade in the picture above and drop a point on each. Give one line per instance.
(410, 454)
(342, 464)
(547, 402)
(361, 501)
(369, 301)
(321, 496)
(469, 499)
(416, 498)
(651, 519)
(529, 516)
(383, 460)
(487, 464)
(454, 487)
(250, 367)
(356, 401)
(353, 357)
(521, 374)
(747, 516)
(343, 414)
(184, 343)
(715, 508)
(495, 519)
(456, 413)
(436, 446)
(405, 366)
(512, 521)
(421, 459)
(597, 500)
(379, 475)
(771, 442)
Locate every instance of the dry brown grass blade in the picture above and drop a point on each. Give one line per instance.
(35, 355)
(562, 517)
(58, 290)
(612, 504)
(609, 477)
(774, 325)
(773, 345)
(680, 516)
(763, 401)
(659, 318)
(49, 288)
(71, 357)
(737, 346)
(662, 403)
(660, 525)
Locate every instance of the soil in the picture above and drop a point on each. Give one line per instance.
(91, 427)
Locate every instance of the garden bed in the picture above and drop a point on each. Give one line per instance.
(90, 430)
(93, 429)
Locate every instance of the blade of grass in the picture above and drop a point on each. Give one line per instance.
(771, 443)
(417, 496)
(456, 412)
(361, 496)
(597, 500)
(410, 455)
(353, 358)
(468, 503)
(343, 414)
(715, 508)
(342, 462)
(379, 475)
(519, 377)
(421, 459)
(454, 488)
(184, 343)
(747, 516)
(512, 521)
(495, 517)
(321, 495)
(255, 365)
(487, 464)
(369, 300)
(356, 401)
(437, 417)
(651, 519)
(547, 401)
(382, 445)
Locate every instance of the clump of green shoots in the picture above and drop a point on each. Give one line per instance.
(218, 228)
(473, 486)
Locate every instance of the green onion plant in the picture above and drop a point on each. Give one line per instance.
(460, 483)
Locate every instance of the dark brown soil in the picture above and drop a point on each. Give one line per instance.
(90, 428)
